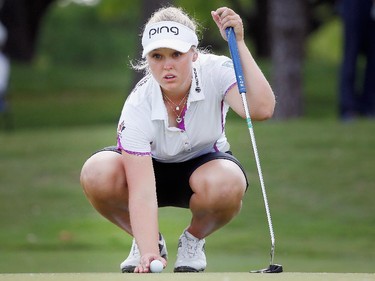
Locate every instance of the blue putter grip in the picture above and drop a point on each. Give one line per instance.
(231, 37)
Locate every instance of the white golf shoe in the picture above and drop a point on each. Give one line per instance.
(191, 255)
(128, 265)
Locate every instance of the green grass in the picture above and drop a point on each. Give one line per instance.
(318, 174)
(227, 276)
(54, 96)
(319, 177)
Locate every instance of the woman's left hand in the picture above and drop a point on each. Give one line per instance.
(225, 17)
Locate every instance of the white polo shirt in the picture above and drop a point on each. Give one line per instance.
(143, 127)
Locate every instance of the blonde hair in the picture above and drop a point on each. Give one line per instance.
(175, 14)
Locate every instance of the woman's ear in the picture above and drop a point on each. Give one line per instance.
(195, 55)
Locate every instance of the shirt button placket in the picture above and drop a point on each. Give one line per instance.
(186, 141)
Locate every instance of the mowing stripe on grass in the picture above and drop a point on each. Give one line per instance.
(188, 277)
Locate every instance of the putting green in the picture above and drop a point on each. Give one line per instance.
(188, 277)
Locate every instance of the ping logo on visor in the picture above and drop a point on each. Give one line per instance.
(158, 30)
(168, 34)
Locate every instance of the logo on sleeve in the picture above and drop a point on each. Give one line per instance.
(228, 63)
(121, 128)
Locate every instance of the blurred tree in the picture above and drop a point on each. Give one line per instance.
(288, 26)
(22, 20)
(255, 19)
(290, 23)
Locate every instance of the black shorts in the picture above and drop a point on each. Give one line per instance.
(172, 179)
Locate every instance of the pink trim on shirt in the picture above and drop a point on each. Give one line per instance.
(222, 123)
(119, 146)
(215, 148)
(222, 104)
(222, 116)
(230, 87)
(137, 153)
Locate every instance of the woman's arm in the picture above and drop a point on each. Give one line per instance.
(143, 207)
(260, 97)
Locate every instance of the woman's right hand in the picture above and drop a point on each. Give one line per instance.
(146, 259)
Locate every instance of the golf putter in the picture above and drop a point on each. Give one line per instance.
(231, 37)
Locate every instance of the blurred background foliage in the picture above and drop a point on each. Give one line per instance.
(95, 35)
(102, 33)
(80, 72)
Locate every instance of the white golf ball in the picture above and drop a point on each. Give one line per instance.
(156, 266)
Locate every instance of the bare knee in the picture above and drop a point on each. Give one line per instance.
(224, 193)
(221, 190)
(103, 175)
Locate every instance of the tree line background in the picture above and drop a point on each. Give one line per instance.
(106, 32)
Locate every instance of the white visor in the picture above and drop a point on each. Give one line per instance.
(168, 34)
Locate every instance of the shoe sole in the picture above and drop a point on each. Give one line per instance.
(182, 269)
(128, 269)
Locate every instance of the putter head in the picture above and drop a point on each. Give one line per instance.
(273, 268)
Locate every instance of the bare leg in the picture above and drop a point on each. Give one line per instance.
(218, 186)
(104, 183)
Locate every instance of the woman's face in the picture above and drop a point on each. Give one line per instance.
(172, 69)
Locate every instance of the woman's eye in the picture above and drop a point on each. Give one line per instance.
(156, 56)
(177, 54)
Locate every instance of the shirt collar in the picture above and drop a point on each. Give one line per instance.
(158, 111)
(157, 104)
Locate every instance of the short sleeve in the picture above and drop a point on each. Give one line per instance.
(226, 77)
(133, 132)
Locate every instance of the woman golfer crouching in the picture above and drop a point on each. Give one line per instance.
(171, 148)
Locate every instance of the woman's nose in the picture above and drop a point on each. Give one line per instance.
(168, 64)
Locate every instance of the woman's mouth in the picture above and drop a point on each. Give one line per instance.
(169, 77)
